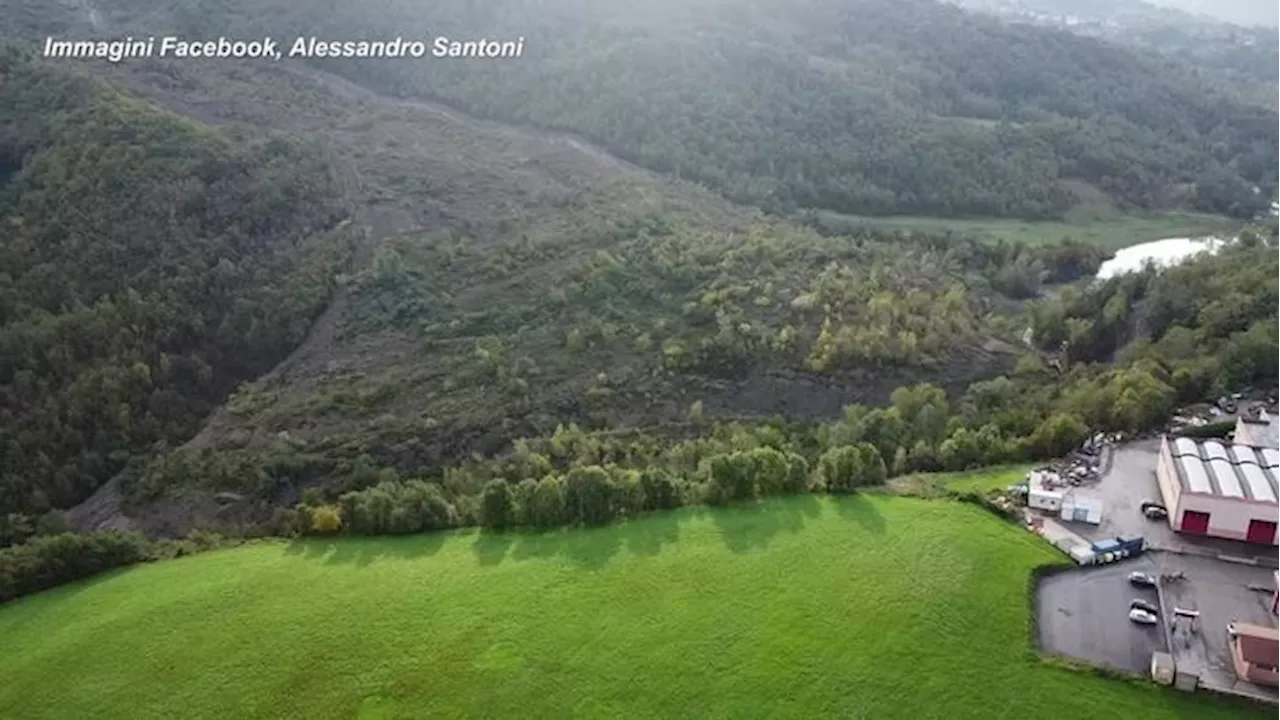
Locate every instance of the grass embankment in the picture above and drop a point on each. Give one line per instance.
(979, 481)
(869, 606)
(1107, 230)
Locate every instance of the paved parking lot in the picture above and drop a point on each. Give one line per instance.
(1084, 614)
(1221, 592)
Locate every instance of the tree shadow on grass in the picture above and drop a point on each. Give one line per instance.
(647, 534)
(750, 527)
(361, 551)
(859, 508)
(591, 547)
(537, 545)
(491, 546)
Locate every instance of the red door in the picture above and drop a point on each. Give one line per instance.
(1195, 522)
(1262, 532)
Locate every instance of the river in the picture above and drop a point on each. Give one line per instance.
(1162, 253)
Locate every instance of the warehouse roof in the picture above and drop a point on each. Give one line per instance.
(1236, 471)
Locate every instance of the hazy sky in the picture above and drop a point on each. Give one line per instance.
(1246, 12)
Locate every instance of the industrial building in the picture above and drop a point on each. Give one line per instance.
(1258, 429)
(1221, 490)
(1255, 653)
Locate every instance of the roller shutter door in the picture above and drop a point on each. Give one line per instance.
(1262, 532)
(1195, 522)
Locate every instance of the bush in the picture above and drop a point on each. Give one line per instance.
(52, 560)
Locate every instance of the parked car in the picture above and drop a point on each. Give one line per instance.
(1155, 512)
(1141, 578)
(1142, 617)
(1140, 604)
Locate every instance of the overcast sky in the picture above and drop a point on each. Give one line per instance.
(1246, 12)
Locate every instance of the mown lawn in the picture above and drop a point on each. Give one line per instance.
(866, 607)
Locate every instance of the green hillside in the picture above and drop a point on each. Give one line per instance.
(875, 107)
(148, 263)
(863, 607)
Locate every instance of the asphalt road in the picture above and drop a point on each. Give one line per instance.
(1084, 614)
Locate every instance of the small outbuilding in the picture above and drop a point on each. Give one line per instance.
(1255, 652)
(1225, 490)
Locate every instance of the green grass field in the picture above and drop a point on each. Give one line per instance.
(865, 607)
(1107, 230)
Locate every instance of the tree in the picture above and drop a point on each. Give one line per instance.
(660, 490)
(325, 519)
(525, 502)
(589, 495)
(841, 468)
(550, 503)
(1058, 435)
(733, 475)
(770, 469)
(497, 507)
(797, 473)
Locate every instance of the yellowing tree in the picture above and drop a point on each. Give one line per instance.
(325, 519)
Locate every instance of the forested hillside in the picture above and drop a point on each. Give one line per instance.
(147, 264)
(1211, 49)
(869, 107)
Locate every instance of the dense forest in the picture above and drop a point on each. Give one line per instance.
(147, 265)
(873, 107)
